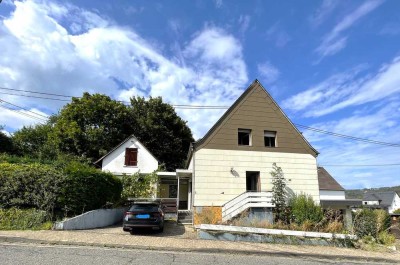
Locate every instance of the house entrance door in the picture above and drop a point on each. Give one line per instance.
(253, 181)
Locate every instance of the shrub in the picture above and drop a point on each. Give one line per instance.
(397, 211)
(29, 186)
(138, 185)
(333, 227)
(383, 221)
(305, 209)
(208, 215)
(365, 223)
(386, 238)
(22, 219)
(86, 188)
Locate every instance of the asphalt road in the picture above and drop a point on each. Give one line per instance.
(42, 254)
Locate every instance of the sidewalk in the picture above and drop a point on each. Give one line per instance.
(185, 242)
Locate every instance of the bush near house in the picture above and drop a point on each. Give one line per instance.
(139, 185)
(13, 219)
(304, 210)
(60, 189)
(369, 222)
(86, 188)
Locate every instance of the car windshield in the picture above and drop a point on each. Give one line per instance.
(144, 207)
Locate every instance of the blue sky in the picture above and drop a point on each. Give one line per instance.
(332, 65)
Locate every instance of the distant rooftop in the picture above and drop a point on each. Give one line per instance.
(326, 181)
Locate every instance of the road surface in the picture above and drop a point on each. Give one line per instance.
(45, 254)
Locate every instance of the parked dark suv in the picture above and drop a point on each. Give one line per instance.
(144, 215)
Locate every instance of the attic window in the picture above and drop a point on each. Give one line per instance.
(269, 139)
(244, 137)
(131, 156)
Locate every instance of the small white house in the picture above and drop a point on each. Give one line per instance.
(129, 157)
(387, 200)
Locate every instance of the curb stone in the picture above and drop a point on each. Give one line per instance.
(10, 239)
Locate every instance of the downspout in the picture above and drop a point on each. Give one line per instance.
(193, 181)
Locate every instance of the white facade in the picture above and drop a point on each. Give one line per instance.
(220, 175)
(395, 204)
(335, 195)
(114, 162)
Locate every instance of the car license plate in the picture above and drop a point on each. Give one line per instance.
(143, 216)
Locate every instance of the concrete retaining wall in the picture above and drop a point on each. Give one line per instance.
(261, 235)
(92, 219)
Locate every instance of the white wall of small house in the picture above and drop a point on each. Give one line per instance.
(115, 162)
(370, 202)
(215, 184)
(332, 195)
(395, 204)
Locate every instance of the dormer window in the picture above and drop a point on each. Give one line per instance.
(244, 137)
(131, 156)
(269, 138)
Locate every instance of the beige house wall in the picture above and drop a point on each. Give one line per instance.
(215, 184)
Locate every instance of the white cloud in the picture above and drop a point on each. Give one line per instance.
(333, 42)
(268, 72)
(49, 53)
(244, 23)
(218, 3)
(278, 35)
(380, 123)
(347, 89)
(392, 29)
(323, 12)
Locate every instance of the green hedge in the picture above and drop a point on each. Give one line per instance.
(304, 209)
(30, 186)
(67, 190)
(87, 188)
(369, 222)
(18, 219)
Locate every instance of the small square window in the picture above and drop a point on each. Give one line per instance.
(269, 138)
(131, 156)
(244, 137)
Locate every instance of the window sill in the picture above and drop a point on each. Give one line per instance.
(131, 166)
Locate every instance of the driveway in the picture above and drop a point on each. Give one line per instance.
(171, 229)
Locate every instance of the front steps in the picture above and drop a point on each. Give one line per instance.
(185, 216)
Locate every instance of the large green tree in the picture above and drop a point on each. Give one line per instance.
(92, 125)
(161, 130)
(34, 141)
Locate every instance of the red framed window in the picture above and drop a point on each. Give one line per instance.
(131, 156)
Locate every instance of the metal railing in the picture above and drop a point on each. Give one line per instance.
(245, 201)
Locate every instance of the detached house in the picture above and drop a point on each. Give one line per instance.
(231, 164)
(229, 169)
(387, 200)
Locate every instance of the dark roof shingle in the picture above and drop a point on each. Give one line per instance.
(327, 182)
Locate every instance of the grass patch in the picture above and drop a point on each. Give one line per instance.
(24, 219)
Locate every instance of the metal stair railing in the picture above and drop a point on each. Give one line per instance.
(245, 201)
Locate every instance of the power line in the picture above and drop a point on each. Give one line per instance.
(377, 165)
(24, 114)
(35, 92)
(348, 136)
(1, 100)
(183, 106)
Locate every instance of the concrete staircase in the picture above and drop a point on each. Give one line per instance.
(185, 216)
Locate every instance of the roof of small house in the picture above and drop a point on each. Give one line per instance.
(124, 141)
(327, 182)
(385, 197)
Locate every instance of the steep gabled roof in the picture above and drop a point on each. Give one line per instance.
(124, 141)
(255, 85)
(326, 181)
(386, 197)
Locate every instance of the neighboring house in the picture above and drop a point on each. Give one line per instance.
(332, 196)
(131, 156)
(329, 188)
(387, 200)
(231, 165)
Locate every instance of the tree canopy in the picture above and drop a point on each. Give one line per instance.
(6, 144)
(92, 125)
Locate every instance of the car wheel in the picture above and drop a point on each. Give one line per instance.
(132, 232)
(126, 229)
(161, 228)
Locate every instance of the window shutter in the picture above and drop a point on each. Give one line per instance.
(131, 156)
